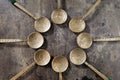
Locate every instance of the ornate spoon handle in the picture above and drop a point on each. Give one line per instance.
(25, 10)
(23, 71)
(15, 3)
(96, 71)
(108, 39)
(11, 40)
(92, 8)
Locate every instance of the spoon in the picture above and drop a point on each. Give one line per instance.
(59, 16)
(78, 25)
(78, 57)
(60, 64)
(84, 40)
(34, 40)
(41, 24)
(41, 58)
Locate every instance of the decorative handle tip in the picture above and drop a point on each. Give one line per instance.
(12, 1)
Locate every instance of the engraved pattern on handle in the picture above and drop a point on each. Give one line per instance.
(11, 40)
(24, 10)
(92, 8)
(96, 71)
(23, 72)
(108, 39)
(60, 75)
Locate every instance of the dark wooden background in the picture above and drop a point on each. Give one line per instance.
(104, 22)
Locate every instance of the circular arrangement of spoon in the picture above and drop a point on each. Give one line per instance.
(59, 65)
(78, 24)
(35, 40)
(84, 40)
(41, 24)
(41, 58)
(59, 16)
(78, 57)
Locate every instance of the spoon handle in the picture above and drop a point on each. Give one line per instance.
(11, 40)
(96, 71)
(60, 75)
(23, 71)
(108, 39)
(24, 10)
(59, 4)
(92, 8)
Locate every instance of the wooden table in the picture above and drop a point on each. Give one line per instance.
(104, 22)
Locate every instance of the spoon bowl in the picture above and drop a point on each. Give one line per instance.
(84, 40)
(35, 40)
(60, 64)
(42, 24)
(77, 25)
(59, 16)
(77, 56)
(42, 57)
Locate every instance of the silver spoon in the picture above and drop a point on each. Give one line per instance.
(41, 24)
(34, 40)
(85, 40)
(60, 64)
(41, 58)
(59, 16)
(78, 57)
(78, 24)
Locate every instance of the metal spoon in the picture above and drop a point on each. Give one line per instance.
(77, 24)
(41, 58)
(78, 57)
(60, 64)
(59, 16)
(34, 40)
(84, 40)
(41, 24)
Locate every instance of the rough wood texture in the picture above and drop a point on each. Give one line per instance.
(105, 56)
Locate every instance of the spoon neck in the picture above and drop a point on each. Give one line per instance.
(24, 40)
(60, 75)
(92, 8)
(59, 4)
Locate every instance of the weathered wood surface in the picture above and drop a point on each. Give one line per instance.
(104, 22)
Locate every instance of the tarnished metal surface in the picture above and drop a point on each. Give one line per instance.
(104, 22)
